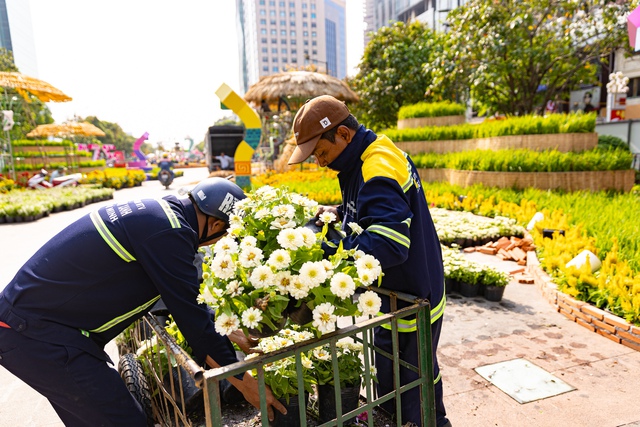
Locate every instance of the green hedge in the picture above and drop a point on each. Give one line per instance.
(431, 109)
(55, 165)
(525, 125)
(31, 154)
(523, 160)
(41, 142)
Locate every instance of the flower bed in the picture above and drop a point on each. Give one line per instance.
(30, 205)
(115, 178)
(466, 229)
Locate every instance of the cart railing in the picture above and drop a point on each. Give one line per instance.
(170, 401)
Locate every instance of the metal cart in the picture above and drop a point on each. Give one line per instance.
(167, 382)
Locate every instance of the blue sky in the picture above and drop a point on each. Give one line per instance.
(148, 65)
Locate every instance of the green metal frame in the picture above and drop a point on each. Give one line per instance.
(168, 405)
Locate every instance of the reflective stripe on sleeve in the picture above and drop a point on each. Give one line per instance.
(108, 237)
(171, 215)
(391, 234)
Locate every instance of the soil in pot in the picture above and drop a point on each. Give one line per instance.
(494, 293)
(292, 418)
(327, 401)
(468, 289)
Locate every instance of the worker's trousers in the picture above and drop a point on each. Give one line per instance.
(83, 390)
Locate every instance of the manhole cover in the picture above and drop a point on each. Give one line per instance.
(523, 381)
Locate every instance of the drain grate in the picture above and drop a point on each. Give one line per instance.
(523, 381)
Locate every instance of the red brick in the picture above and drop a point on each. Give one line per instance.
(631, 345)
(488, 251)
(631, 337)
(517, 270)
(617, 322)
(574, 303)
(567, 314)
(606, 334)
(469, 249)
(594, 311)
(634, 330)
(586, 324)
(565, 307)
(582, 316)
(602, 325)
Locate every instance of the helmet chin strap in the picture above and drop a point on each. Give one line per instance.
(205, 238)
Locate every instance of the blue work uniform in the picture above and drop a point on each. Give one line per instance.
(382, 193)
(85, 286)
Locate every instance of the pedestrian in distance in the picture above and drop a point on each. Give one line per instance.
(384, 212)
(98, 276)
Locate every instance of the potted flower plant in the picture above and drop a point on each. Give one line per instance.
(350, 372)
(270, 264)
(282, 377)
(495, 282)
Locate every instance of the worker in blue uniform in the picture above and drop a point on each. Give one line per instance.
(382, 194)
(96, 277)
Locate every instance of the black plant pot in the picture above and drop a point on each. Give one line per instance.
(468, 289)
(327, 401)
(451, 286)
(292, 418)
(494, 293)
(299, 315)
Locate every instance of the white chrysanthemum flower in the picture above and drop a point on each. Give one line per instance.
(312, 273)
(261, 277)
(321, 354)
(282, 342)
(355, 227)
(264, 189)
(299, 200)
(282, 223)
(342, 285)
(262, 213)
(280, 259)
(323, 318)
(328, 217)
(369, 303)
(234, 289)
(304, 335)
(286, 211)
(225, 324)
(235, 229)
(308, 236)
(282, 280)
(269, 346)
(227, 244)
(328, 267)
(207, 296)
(306, 362)
(366, 277)
(250, 257)
(223, 266)
(290, 238)
(358, 254)
(251, 317)
(368, 262)
(373, 370)
(240, 206)
(297, 288)
(235, 219)
(248, 242)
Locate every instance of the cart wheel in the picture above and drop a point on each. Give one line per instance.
(133, 376)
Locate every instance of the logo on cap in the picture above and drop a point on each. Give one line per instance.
(325, 122)
(201, 195)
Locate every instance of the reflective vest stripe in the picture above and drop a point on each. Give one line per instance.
(125, 316)
(438, 378)
(391, 234)
(410, 325)
(171, 215)
(109, 239)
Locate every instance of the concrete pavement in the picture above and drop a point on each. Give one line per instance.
(475, 333)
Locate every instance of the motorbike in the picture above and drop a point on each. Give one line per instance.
(165, 177)
(39, 181)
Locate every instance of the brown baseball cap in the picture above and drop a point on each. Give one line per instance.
(314, 118)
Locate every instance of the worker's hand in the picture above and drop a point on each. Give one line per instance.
(246, 344)
(326, 209)
(248, 386)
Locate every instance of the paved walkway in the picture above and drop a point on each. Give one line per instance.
(475, 333)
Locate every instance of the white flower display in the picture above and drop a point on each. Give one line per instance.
(369, 303)
(355, 227)
(269, 266)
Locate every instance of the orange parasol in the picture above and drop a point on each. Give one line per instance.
(23, 84)
(66, 129)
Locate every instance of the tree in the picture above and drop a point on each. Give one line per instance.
(391, 72)
(114, 135)
(506, 51)
(26, 114)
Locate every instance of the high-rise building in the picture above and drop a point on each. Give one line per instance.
(432, 12)
(16, 34)
(276, 35)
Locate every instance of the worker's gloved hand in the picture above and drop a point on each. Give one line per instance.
(246, 344)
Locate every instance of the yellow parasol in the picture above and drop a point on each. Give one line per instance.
(23, 84)
(66, 129)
